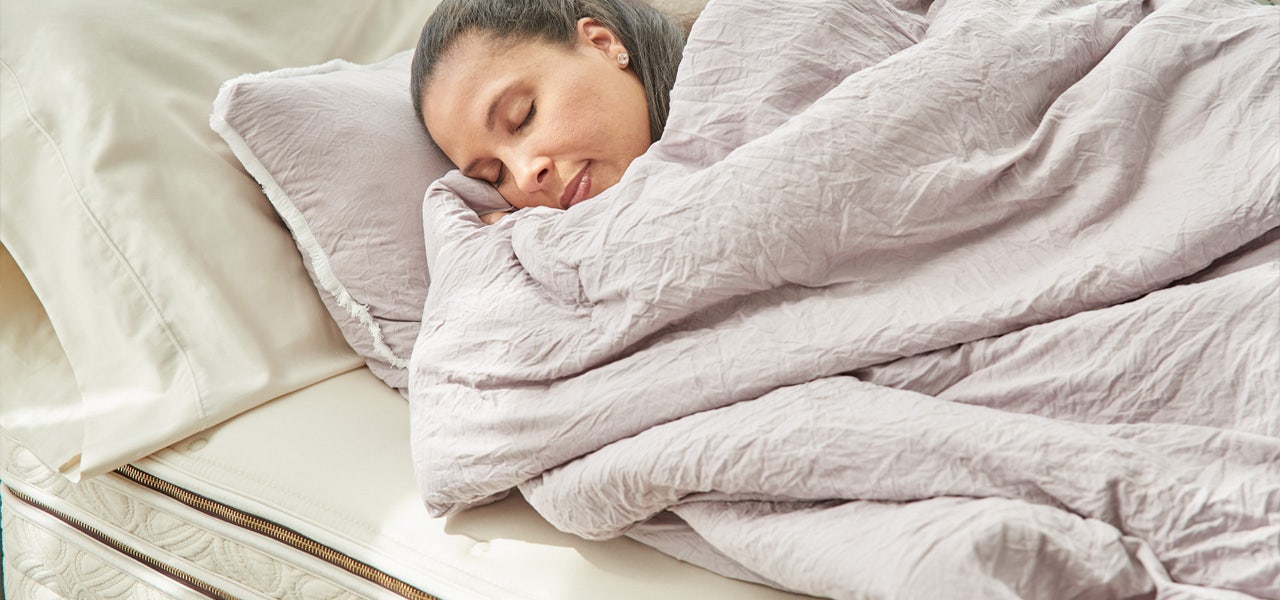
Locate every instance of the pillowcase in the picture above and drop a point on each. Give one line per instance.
(345, 162)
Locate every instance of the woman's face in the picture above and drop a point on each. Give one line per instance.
(547, 125)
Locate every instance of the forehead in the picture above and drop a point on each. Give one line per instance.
(464, 70)
(476, 54)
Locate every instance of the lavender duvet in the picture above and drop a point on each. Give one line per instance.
(972, 299)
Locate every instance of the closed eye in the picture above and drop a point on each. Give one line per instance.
(533, 108)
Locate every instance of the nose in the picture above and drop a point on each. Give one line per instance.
(531, 173)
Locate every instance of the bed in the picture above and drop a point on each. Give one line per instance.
(215, 383)
(256, 485)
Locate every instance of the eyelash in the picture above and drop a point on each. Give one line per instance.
(533, 108)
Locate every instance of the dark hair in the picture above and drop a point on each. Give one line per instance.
(653, 41)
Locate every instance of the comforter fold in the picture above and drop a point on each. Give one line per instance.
(904, 302)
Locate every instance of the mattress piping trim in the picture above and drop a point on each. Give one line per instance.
(275, 531)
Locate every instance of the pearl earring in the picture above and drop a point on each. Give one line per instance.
(623, 59)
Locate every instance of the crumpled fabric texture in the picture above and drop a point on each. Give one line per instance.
(909, 301)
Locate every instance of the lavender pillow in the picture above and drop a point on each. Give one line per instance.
(344, 161)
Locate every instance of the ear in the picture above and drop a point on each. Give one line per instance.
(593, 34)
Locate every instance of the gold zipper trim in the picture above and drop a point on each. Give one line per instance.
(274, 531)
(105, 539)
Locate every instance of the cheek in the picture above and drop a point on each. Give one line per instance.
(625, 117)
(608, 117)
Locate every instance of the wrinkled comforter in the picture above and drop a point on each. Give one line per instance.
(972, 299)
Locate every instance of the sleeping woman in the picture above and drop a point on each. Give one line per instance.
(548, 100)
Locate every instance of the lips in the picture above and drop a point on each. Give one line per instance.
(578, 188)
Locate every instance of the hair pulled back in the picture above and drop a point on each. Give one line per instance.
(653, 41)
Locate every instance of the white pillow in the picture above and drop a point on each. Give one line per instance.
(174, 289)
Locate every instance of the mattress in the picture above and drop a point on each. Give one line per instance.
(308, 496)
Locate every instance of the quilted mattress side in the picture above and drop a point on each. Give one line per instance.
(107, 536)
